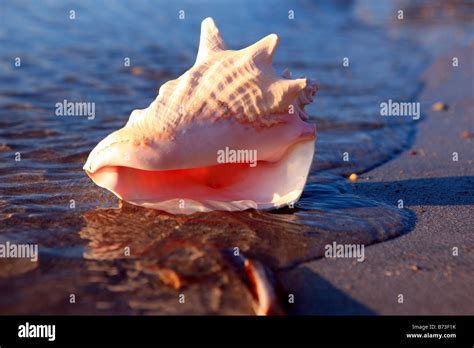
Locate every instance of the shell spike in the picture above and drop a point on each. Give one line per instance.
(211, 40)
(263, 50)
(293, 87)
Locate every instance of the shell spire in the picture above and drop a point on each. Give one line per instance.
(240, 84)
(211, 40)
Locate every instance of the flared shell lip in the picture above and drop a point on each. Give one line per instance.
(206, 205)
(312, 135)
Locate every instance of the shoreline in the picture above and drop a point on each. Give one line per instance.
(432, 265)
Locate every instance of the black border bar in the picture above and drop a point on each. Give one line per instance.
(215, 330)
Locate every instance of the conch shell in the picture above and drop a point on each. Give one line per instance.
(229, 134)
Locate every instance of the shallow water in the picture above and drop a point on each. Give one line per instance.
(82, 247)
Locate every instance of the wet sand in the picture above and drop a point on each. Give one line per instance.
(81, 245)
(82, 230)
(439, 194)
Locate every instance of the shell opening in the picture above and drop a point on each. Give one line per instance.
(231, 186)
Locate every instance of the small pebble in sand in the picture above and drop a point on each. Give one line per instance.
(414, 268)
(170, 277)
(413, 153)
(137, 70)
(439, 106)
(353, 177)
(4, 147)
(466, 134)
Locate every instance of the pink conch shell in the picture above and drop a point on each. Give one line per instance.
(176, 155)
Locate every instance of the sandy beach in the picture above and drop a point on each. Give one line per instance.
(432, 265)
(98, 254)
